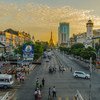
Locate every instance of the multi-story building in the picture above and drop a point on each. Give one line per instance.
(63, 34)
(20, 38)
(2, 37)
(27, 37)
(11, 39)
(2, 42)
(81, 38)
(73, 40)
(96, 38)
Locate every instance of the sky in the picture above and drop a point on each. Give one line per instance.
(40, 17)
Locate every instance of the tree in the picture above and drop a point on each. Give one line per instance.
(77, 48)
(77, 45)
(38, 50)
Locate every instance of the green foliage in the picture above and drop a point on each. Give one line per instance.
(62, 48)
(38, 48)
(28, 43)
(97, 46)
(86, 53)
(79, 50)
(77, 46)
(18, 50)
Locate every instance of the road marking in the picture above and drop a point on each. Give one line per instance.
(59, 98)
(67, 98)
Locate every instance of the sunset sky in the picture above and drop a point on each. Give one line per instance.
(40, 17)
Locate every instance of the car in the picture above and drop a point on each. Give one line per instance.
(81, 74)
(6, 81)
(47, 60)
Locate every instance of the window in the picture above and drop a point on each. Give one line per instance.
(1, 80)
(10, 79)
(6, 80)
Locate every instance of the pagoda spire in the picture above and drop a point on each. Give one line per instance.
(51, 44)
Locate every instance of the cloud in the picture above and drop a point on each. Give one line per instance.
(41, 19)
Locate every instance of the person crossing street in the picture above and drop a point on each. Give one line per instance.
(43, 82)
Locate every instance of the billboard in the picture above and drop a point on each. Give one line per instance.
(28, 52)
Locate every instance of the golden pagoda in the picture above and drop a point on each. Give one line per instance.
(51, 44)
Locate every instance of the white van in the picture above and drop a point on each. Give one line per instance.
(6, 81)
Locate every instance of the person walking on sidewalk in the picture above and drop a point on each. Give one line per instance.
(43, 82)
(54, 92)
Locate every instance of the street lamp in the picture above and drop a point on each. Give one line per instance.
(90, 94)
(90, 78)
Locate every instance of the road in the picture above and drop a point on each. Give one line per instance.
(66, 84)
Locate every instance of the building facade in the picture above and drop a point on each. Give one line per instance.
(88, 41)
(11, 39)
(63, 33)
(2, 42)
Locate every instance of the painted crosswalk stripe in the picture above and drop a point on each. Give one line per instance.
(63, 98)
(67, 98)
(59, 98)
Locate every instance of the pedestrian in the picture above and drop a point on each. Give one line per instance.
(28, 70)
(43, 82)
(15, 75)
(39, 94)
(37, 83)
(40, 86)
(36, 94)
(54, 92)
(49, 93)
(71, 69)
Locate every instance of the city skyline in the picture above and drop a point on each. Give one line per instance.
(40, 17)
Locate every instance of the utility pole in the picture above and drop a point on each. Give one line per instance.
(90, 98)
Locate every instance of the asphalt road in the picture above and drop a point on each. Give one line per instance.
(66, 84)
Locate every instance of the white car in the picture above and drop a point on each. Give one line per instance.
(81, 74)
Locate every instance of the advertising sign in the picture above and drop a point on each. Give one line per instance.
(28, 52)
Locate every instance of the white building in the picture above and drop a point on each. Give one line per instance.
(81, 38)
(89, 37)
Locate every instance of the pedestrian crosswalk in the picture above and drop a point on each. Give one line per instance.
(60, 98)
(63, 98)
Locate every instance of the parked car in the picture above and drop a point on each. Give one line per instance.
(6, 81)
(81, 74)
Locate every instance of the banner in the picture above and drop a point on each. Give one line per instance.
(28, 52)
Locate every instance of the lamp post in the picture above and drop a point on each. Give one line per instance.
(90, 98)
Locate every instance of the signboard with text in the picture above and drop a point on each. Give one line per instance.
(28, 52)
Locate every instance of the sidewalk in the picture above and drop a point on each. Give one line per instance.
(87, 65)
